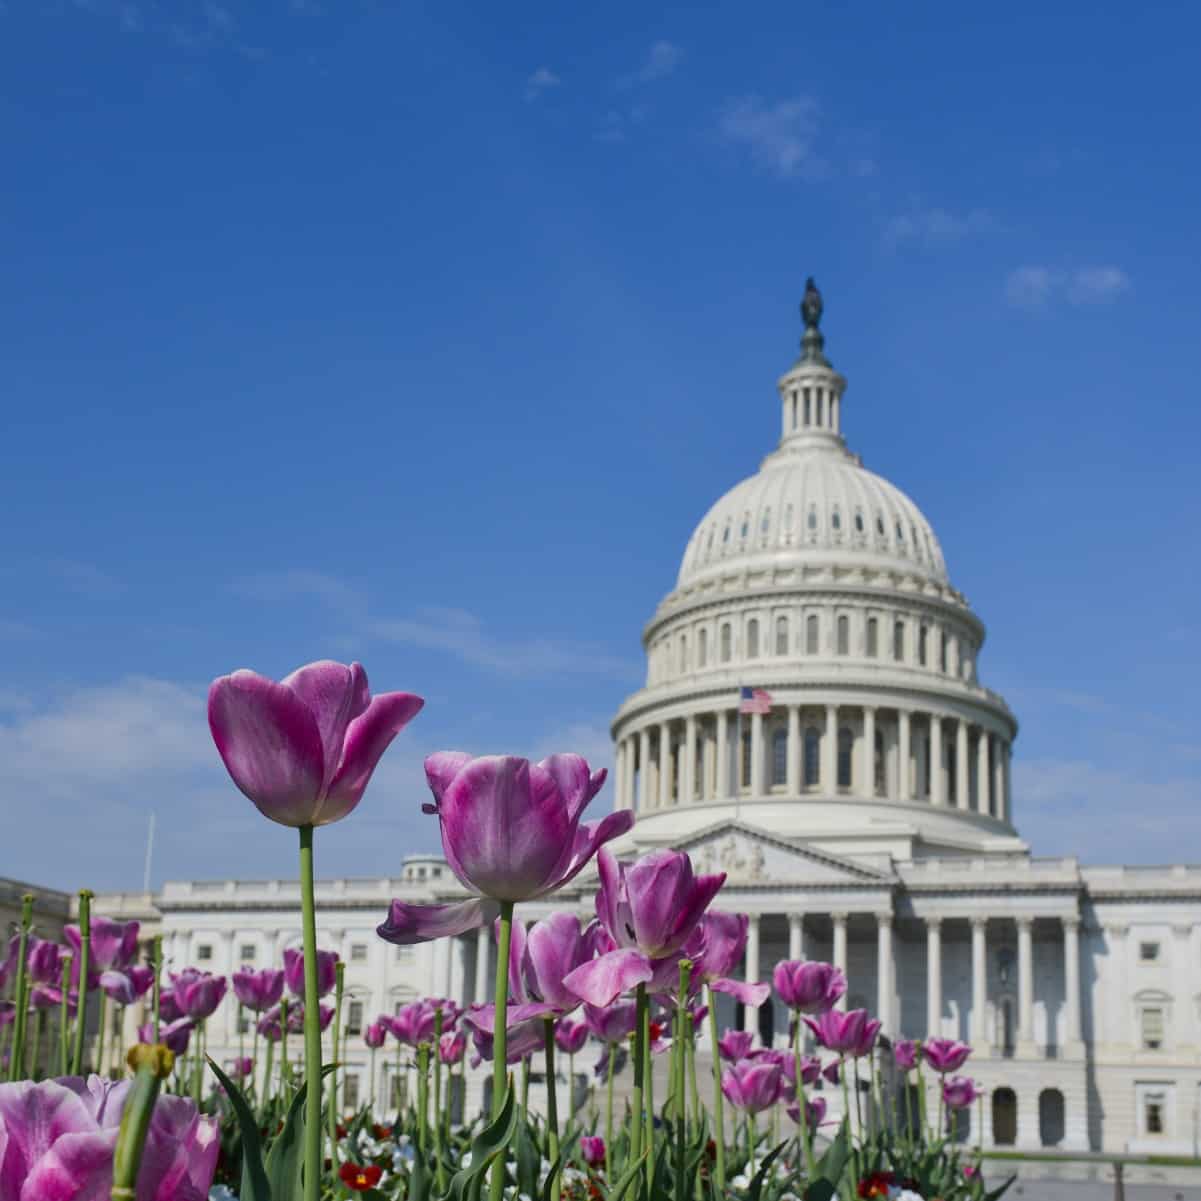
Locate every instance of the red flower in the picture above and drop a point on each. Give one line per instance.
(876, 1185)
(655, 1031)
(381, 1132)
(340, 1130)
(360, 1178)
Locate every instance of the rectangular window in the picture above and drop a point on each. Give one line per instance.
(1148, 952)
(922, 637)
(204, 952)
(898, 641)
(1154, 1115)
(942, 651)
(248, 952)
(243, 1021)
(358, 952)
(811, 633)
(781, 635)
(1152, 1022)
(746, 759)
(350, 1092)
(844, 635)
(354, 1017)
(873, 638)
(403, 953)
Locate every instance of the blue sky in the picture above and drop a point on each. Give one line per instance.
(424, 335)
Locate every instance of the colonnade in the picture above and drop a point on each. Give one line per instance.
(859, 750)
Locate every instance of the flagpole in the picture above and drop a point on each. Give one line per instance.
(738, 758)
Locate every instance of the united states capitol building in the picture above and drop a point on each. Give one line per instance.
(861, 804)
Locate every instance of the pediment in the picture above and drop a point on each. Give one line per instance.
(749, 855)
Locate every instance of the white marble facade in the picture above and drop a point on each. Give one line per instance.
(866, 818)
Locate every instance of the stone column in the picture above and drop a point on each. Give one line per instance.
(962, 775)
(840, 950)
(757, 788)
(230, 1005)
(829, 781)
(619, 775)
(903, 769)
(796, 936)
(708, 775)
(979, 981)
(688, 775)
(794, 750)
(998, 780)
(868, 784)
(1071, 987)
(983, 804)
(723, 755)
(938, 784)
(884, 972)
(933, 977)
(628, 784)
(483, 983)
(1025, 1045)
(644, 768)
(664, 764)
(751, 968)
(446, 983)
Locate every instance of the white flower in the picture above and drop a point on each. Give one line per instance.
(905, 1194)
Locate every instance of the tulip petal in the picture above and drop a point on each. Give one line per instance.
(35, 1117)
(589, 838)
(440, 768)
(407, 924)
(570, 774)
(517, 941)
(602, 980)
(79, 1167)
(335, 695)
(723, 940)
(270, 745)
(367, 737)
(742, 990)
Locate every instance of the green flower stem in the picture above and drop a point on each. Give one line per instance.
(500, 1039)
(284, 1071)
(16, 1058)
(681, 1109)
(423, 1097)
(100, 1037)
(312, 1023)
(640, 1039)
(648, 1073)
(439, 1156)
(751, 1140)
(267, 1069)
(85, 952)
(339, 977)
(921, 1100)
(719, 1132)
(691, 1053)
(374, 1080)
(39, 1032)
(254, 1060)
(805, 1135)
(152, 1065)
(609, 1114)
(64, 1016)
(846, 1110)
(198, 1071)
(241, 1032)
(158, 971)
(552, 1106)
(525, 1089)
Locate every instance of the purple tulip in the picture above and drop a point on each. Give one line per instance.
(111, 944)
(451, 1012)
(611, 1023)
(809, 987)
(907, 1053)
(127, 985)
(325, 1015)
(815, 1113)
(327, 965)
(198, 994)
(523, 1037)
(593, 1150)
(303, 750)
(168, 1010)
(540, 958)
(42, 960)
(259, 990)
(752, 1085)
(376, 1034)
(242, 1067)
(174, 1035)
(58, 1139)
(270, 1027)
(945, 1055)
(959, 1092)
(511, 831)
(451, 1047)
(8, 1013)
(650, 909)
(412, 1024)
(830, 1072)
(44, 997)
(716, 949)
(570, 1037)
(735, 1045)
(851, 1033)
(698, 1013)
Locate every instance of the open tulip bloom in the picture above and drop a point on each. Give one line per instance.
(945, 1055)
(848, 1034)
(259, 990)
(327, 966)
(959, 1092)
(539, 960)
(113, 944)
(753, 1085)
(809, 987)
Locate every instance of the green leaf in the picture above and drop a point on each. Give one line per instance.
(255, 1186)
(419, 1178)
(485, 1147)
(285, 1157)
(833, 1163)
(529, 1159)
(820, 1190)
(997, 1192)
(549, 1182)
(632, 1173)
(761, 1175)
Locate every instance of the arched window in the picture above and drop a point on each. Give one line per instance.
(813, 746)
(702, 647)
(880, 768)
(781, 635)
(846, 748)
(900, 534)
(752, 638)
(811, 634)
(844, 635)
(879, 525)
(683, 652)
(923, 637)
(725, 643)
(808, 412)
(725, 537)
(1004, 1117)
(811, 520)
(746, 526)
(873, 637)
(858, 521)
(942, 650)
(779, 757)
(765, 520)
(1050, 1117)
(898, 641)
(836, 520)
(745, 759)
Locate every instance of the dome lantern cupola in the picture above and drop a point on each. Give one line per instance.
(811, 392)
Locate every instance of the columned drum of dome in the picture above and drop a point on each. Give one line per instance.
(820, 584)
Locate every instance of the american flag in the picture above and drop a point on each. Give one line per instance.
(754, 700)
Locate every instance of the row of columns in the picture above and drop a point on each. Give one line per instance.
(656, 764)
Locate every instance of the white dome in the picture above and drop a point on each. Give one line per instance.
(815, 505)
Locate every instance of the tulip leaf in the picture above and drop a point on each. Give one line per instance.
(255, 1185)
(834, 1161)
(820, 1190)
(419, 1179)
(551, 1176)
(992, 1196)
(632, 1174)
(485, 1147)
(761, 1175)
(529, 1160)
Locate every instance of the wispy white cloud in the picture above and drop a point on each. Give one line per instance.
(932, 226)
(540, 81)
(779, 137)
(85, 578)
(1036, 287)
(661, 61)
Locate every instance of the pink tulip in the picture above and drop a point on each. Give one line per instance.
(815, 1113)
(242, 1067)
(752, 1085)
(809, 987)
(304, 750)
(325, 1015)
(198, 994)
(650, 909)
(127, 985)
(258, 990)
(959, 1092)
(451, 1047)
(540, 958)
(611, 1023)
(327, 963)
(592, 1150)
(42, 961)
(511, 831)
(412, 1024)
(111, 944)
(945, 1055)
(522, 1037)
(735, 1045)
(716, 949)
(57, 1140)
(851, 1033)
(174, 1035)
(907, 1054)
(269, 1026)
(570, 1036)
(376, 1034)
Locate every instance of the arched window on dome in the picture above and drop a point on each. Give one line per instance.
(746, 526)
(811, 520)
(779, 758)
(898, 641)
(917, 550)
(808, 409)
(836, 520)
(811, 634)
(744, 760)
(788, 523)
(873, 638)
(812, 764)
(781, 635)
(752, 638)
(900, 534)
(726, 639)
(702, 647)
(844, 635)
(846, 753)
(880, 768)
(725, 537)
(942, 651)
(709, 544)
(683, 653)
(880, 525)
(858, 521)
(923, 638)
(765, 524)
